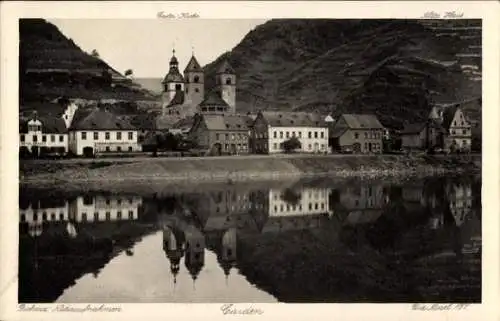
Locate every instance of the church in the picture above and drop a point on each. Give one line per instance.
(184, 95)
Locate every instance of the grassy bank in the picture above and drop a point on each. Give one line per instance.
(239, 169)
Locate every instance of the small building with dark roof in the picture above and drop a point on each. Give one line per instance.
(96, 130)
(359, 133)
(221, 134)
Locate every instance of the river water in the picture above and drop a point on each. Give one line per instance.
(308, 241)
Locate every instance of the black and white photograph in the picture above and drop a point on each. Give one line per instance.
(180, 159)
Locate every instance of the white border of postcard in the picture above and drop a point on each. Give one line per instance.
(12, 11)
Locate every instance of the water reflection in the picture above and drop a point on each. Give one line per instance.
(310, 242)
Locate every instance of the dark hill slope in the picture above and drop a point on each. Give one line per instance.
(52, 66)
(391, 67)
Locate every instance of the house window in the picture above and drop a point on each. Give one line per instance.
(130, 148)
(226, 146)
(44, 138)
(366, 135)
(61, 216)
(35, 138)
(108, 216)
(217, 136)
(52, 138)
(130, 214)
(453, 132)
(197, 90)
(275, 134)
(130, 135)
(464, 131)
(315, 134)
(119, 215)
(107, 148)
(61, 138)
(281, 134)
(96, 216)
(309, 147)
(84, 217)
(119, 148)
(84, 135)
(22, 138)
(310, 134)
(322, 134)
(464, 142)
(227, 136)
(275, 146)
(293, 134)
(106, 135)
(228, 81)
(356, 135)
(300, 134)
(287, 134)
(118, 135)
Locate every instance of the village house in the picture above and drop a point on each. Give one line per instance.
(446, 128)
(221, 134)
(99, 131)
(42, 135)
(358, 133)
(271, 129)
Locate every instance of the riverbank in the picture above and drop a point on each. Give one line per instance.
(186, 171)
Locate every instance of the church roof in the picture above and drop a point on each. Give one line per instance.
(193, 65)
(213, 98)
(178, 99)
(173, 76)
(225, 68)
(99, 119)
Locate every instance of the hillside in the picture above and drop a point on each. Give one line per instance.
(393, 68)
(53, 66)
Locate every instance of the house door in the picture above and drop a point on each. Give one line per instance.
(233, 149)
(217, 149)
(88, 152)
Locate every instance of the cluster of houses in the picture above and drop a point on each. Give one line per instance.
(212, 122)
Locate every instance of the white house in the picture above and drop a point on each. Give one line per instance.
(42, 135)
(309, 201)
(271, 129)
(100, 131)
(36, 214)
(101, 208)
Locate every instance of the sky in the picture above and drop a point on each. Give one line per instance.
(145, 46)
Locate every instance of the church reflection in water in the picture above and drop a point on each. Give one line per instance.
(242, 226)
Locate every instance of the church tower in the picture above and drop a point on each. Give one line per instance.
(194, 78)
(173, 82)
(226, 82)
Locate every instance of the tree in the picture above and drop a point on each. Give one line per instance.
(94, 53)
(291, 144)
(291, 197)
(128, 72)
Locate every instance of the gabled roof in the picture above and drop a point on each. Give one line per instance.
(227, 122)
(99, 119)
(225, 68)
(294, 119)
(362, 121)
(178, 99)
(193, 65)
(448, 115)
(213, 98)
(410, 129)
(50, 125)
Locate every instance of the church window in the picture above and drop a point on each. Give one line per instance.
(228, 81)
(196, 79)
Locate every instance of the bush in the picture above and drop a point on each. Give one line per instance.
(291, 144)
